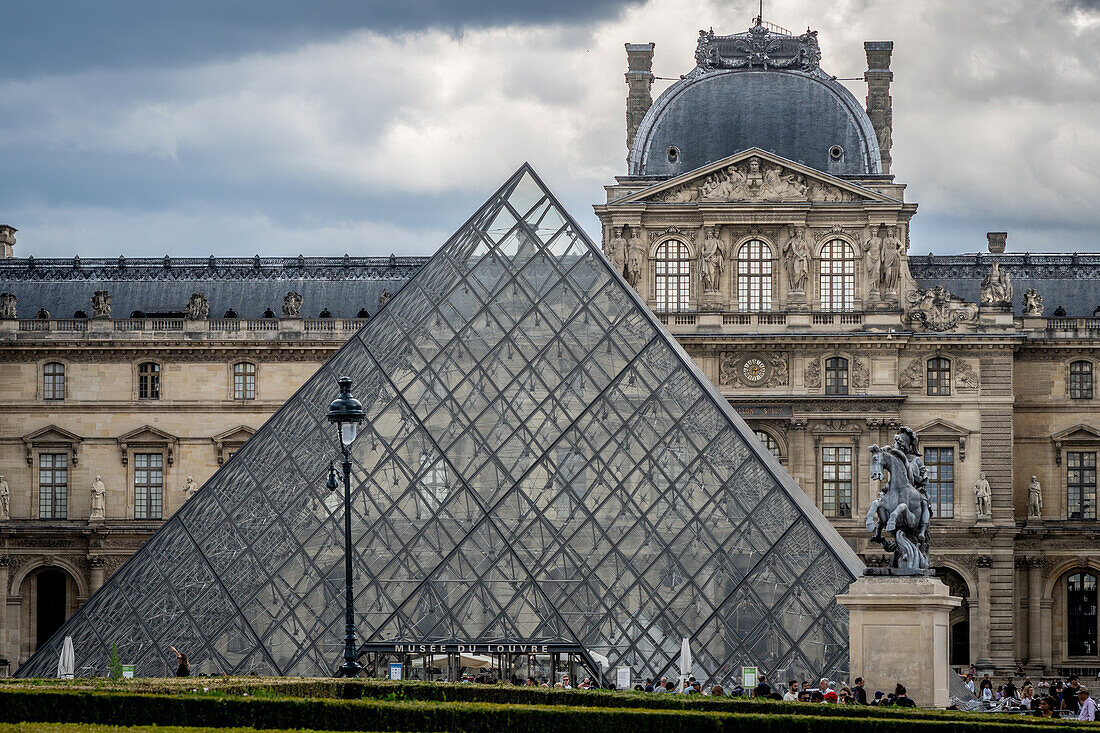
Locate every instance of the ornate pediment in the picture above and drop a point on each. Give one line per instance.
(759, 48)
(51, 437)
(754, 176)
(942, 430)
(147, 437)
(1079, 433)
(938, 309)
(231, 441)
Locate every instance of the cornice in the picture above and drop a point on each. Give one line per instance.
(261, 350)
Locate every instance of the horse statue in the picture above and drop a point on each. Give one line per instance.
(901, 507)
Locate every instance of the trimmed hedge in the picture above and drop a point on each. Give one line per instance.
(126, 709)
(88, 728)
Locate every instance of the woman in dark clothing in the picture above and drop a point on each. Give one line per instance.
(184, 669)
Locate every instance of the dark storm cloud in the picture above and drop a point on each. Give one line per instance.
(51, 36)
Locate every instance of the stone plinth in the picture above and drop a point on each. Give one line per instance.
(898, 632)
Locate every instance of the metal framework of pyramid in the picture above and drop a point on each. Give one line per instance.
(541, 463)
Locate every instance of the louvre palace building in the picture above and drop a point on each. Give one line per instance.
(761, 221)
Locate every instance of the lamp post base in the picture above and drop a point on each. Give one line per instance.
(349, 669)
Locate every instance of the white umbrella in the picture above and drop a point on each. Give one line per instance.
(601, 660)
(474, 661)
(67, 662)
(685, 661)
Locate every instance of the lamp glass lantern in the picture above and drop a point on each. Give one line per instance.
(346, 413)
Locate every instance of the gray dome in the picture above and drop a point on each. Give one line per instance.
(806, 117)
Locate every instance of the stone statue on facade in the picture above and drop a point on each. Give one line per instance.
(1034, 499)
(616, 251)
(5, 500)
(635, 257)
(997, 287)
(384, 298)
(1033, 303)
(902, 506)
(711, 259)
(893, 250)
(292, 305)
(198, 308)
(796, 251)
(101, 304)
(8, 306)
(983, 497)
(873, 248)
(190, 488)
(98, 493)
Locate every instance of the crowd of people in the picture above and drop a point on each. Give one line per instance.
(1055, 699)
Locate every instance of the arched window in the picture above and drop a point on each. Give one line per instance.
(149, 381)
(1080, 380)
(768, 441)
(838, 276)
(244, 381)
(939, 376)
(836, 375)
(53, 381)
(672, 276)
(754, 276)
(1081, 614)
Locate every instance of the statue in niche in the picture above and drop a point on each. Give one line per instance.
(997, 287)
(190, 488)
(711, 257)
(5, 499)
(1034, 499)
(292, 305)
(983, 497)
(893, 250)
(198, 309)
(873, 248)
(98, 493)
(902, 506)
(635, 257)
(797, 252)
(101, 304)
(616, 251)
(8, 305)
(1033, 303)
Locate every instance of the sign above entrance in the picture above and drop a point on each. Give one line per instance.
(762, 411)
(469, 648)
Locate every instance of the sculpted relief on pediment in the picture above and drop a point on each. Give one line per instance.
(754, 180)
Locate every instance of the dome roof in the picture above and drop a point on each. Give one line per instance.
(798, 112)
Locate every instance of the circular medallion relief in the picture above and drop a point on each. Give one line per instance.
(753, 370)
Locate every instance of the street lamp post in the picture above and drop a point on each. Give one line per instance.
(346, 412)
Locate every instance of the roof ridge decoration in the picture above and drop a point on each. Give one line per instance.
(540, 463)
(758, 47)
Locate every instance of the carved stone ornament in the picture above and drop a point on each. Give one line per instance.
(812, 375)
(1034, 499)
(711, 260)
(753, 369)
(753, 180)
(5, 499)
(861, 375)
(198, 308)
(936, 309)
(997, 287)
(384, 298)
(101, 304)
(796, 260)
(902, 505)
(8, 308)
(635, 257)
(292, 305)
(1033, 303)
(757, 48)
(965, 376)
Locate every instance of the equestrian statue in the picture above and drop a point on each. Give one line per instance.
(902, 506)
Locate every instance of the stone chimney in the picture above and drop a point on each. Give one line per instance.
(878, 77)
(639, 81)
(996, 242)
(7, 241)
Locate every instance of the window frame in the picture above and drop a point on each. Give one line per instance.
(835, 509)
(767, 440)
(755, 276)
(243, 386)
(58, 505)
(935, 483)
(151, 506)
(1076, 621)
(1087, 466)
(1079, 388)
(941, 366)
(837, 276)
(672, 270)
(833, 385)
(52, 382)
(149, 385)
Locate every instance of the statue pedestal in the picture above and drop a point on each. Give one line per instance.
(711, 301)
(898, 632)
(797, 301)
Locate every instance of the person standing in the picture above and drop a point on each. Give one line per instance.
(858, 691)
(762, 689)
(1069, 695)
(901, 699)
(183, 669)
(792, 692)
(1086, 704)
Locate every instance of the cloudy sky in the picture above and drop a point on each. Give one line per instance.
(145, 127)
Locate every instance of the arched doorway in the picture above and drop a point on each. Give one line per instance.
(49, 596)
(958, 653)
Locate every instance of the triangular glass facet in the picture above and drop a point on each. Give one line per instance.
(540, 463)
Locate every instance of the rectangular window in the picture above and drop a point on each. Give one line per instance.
(1080, 380)
(53, 381)
(836, 481)
(149, 381)
(754, 276)
(941, 481)
(836, 376)
(939, 377)
(672, 273)
(148, 485)
(53, 485)
(244, 381)
(838, 276)
(1081, 484)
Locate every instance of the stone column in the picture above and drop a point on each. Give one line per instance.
(98, 564)
(985, 563)
(639, 82)
(879, 105)
(1034, 613)
(898, 629)
(5, 561)
(1045, 606)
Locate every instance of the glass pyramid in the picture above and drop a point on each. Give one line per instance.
(540, 463)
